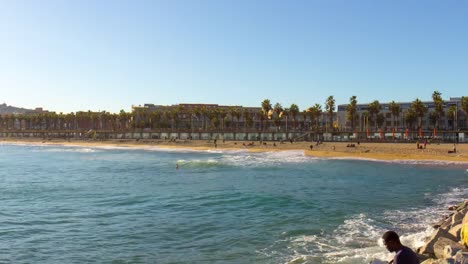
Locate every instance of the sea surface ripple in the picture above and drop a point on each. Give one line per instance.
(62, 204)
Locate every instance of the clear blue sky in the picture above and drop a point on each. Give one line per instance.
(107, 55)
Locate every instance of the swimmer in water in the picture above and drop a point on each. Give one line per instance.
(177, 166)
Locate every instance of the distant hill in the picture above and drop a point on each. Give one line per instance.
(8, 109)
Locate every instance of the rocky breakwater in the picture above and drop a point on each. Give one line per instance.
(449, 241)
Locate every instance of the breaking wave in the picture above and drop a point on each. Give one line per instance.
(358, 240)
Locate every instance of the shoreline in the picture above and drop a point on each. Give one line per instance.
(333, 150)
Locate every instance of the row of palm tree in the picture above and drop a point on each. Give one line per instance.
(202, 118)
(71, 121)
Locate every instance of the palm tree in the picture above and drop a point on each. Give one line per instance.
(330, 107)
(438, 105)
(410, 116)
(316, 112)
(20, 119)
(113, 121)
(237, 114)
(365, 120)
(433, 118)
(278, 109)
(213, 115)
(305, 114)
(286, 112)
(464, 106)
(260, 115)
(380, 119)
(155, 119)
(69, 118)
(204, 113)
(222, 114)
(124, 118)
(174, 115)
(351, 110)
(452, 114)
(294, 110)
(246, 116)
(197, 113)
(266, 107)
(420, 109)
(395, 110)
(374, 109)
(231, 111)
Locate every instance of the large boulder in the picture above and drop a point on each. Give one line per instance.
(445, 222)
(444, 246)
(428, 248)
(455, 231)
(438, 261)
(457, 218)
(461, 257)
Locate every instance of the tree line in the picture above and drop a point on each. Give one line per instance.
(266, 118)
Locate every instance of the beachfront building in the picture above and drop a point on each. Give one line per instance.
(386, 121)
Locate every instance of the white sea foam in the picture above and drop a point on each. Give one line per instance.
(358, 240)
(248, 159)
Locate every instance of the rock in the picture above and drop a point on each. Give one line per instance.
(439, 261)
(439, 223)
(452, 208)
(451, 251)
(447, 222)
(457, 218)
(428, 248)
(461, 258)
(455, 231)
(441, 243)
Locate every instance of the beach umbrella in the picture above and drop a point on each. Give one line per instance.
(435, 134)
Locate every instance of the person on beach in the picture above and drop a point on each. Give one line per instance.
(454, 149)
(404, 255)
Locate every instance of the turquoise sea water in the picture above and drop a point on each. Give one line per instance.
(118, 205)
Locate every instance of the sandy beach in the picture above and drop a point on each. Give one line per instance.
(365, 150)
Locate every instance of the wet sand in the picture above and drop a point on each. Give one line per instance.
(365, 150)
